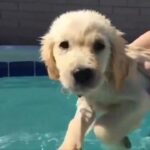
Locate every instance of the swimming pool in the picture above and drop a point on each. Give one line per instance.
(34, 113)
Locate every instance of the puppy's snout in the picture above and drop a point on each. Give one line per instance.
(83, 76)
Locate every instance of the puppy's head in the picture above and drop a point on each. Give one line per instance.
(82, 49)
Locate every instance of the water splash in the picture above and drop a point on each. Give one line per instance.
(43, 140)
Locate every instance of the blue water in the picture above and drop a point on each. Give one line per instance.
(34, 114)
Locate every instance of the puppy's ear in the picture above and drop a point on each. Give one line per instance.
(48, 57)
(119, 62)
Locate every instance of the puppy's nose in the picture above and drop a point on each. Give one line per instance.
(83, 76)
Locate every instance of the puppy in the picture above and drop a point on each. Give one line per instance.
(87, 54)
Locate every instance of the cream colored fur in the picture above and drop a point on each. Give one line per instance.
(117, 103)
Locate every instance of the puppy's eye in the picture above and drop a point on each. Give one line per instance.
(98, 46)
(64, 44)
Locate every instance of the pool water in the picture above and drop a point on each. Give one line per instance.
(34, 114)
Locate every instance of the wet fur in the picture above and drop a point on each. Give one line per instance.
(118, 103)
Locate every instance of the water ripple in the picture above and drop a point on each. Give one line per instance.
(24, 137)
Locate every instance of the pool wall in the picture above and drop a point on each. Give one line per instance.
(21, 61)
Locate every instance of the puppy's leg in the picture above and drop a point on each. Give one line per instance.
(78, 127)
(113, 126)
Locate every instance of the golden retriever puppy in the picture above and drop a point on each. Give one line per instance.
(86, 53)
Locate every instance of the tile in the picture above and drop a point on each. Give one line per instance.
(3, 69)
(24, 68)
(40, 69)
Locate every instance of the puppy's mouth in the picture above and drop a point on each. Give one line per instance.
(85, 79)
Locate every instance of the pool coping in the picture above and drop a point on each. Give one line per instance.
(10, 53)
